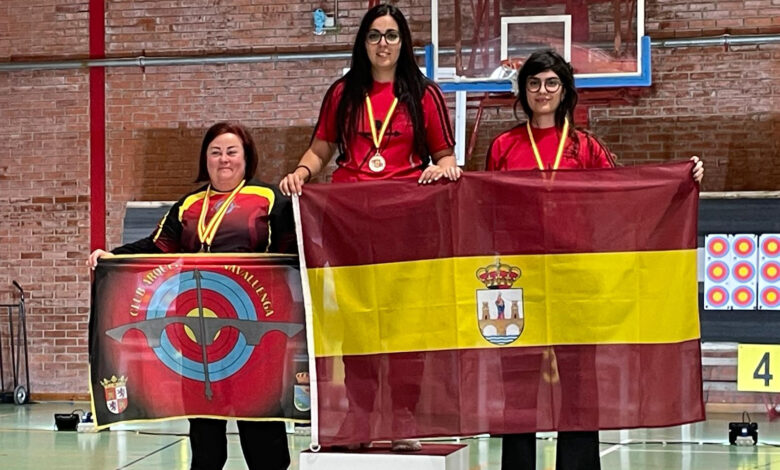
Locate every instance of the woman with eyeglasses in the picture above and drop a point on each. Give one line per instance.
(549, 140)
(386, 119)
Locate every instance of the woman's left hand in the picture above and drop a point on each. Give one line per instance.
(698, 169)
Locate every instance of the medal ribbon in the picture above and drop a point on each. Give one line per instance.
(558, 154)
(372, 124)
(206, 232)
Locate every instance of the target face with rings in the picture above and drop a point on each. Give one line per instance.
(222, 297)
(744, 271)
(770, 297)
(717, 246)
(743, 296)
(770, 246)
(717, 271)
(717, 296)
(770, 271)
(744, 246)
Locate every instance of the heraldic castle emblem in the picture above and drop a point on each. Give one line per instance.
(500, 307)
(116, 394)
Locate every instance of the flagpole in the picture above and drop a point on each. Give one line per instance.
(314, 446)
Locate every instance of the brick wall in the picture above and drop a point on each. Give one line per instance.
(157, 117)
(43, 29)
(717, 102)
(44, 220)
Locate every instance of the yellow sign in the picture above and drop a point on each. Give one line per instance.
(758, 368)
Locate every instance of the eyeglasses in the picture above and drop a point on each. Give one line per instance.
(391, 36)
(534, 84)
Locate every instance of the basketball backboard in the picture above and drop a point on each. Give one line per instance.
(603, 40)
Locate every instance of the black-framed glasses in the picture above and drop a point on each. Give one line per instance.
(391, 36)
(551, 84)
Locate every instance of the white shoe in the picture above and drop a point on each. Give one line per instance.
(406, 445)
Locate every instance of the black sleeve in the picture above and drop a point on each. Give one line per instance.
(144, 245)
(165, 238)
(283, 239)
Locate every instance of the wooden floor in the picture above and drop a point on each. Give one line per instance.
(28, 441)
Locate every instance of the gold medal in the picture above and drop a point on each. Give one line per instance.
(377, 163)
(207, 231)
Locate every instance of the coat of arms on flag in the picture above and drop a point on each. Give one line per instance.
(500, 307)
(116, 394)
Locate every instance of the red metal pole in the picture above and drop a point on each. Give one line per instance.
(97, 127)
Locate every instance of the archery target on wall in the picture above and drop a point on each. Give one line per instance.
(731, 272)
(769, 272)
(716, 271)
(717, 246)
(744, 249)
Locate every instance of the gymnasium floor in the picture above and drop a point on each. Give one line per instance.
(28, 441)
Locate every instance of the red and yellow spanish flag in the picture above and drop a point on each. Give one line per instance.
(503, 303)
(206, 335)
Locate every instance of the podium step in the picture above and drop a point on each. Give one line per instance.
(380, 457)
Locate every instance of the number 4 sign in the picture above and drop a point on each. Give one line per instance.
(757, 368)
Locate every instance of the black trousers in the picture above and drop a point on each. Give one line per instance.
(576, 450)
(264, 444)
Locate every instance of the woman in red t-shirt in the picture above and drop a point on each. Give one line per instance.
(548, 140)
(388, 122)
(384, 117)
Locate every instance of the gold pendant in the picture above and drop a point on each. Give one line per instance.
(377, 163)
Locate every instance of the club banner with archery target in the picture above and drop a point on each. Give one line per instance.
(197, 335)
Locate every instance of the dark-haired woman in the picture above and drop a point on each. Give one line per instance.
(233, 213)
(548, 140)
(386, 120)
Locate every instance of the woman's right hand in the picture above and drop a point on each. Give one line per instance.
(312, 162)
(293, 182)
(94, 256)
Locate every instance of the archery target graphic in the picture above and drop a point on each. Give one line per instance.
(743, 246)
(717, 271)
(744, 271)
(221, 297)
(743, 297)
(769, 271)
(744, 285)
(731, 271)
(717, 245)
(770, 245)
(716, 297)
(770, 298)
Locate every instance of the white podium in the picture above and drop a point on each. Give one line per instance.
(380, 457)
